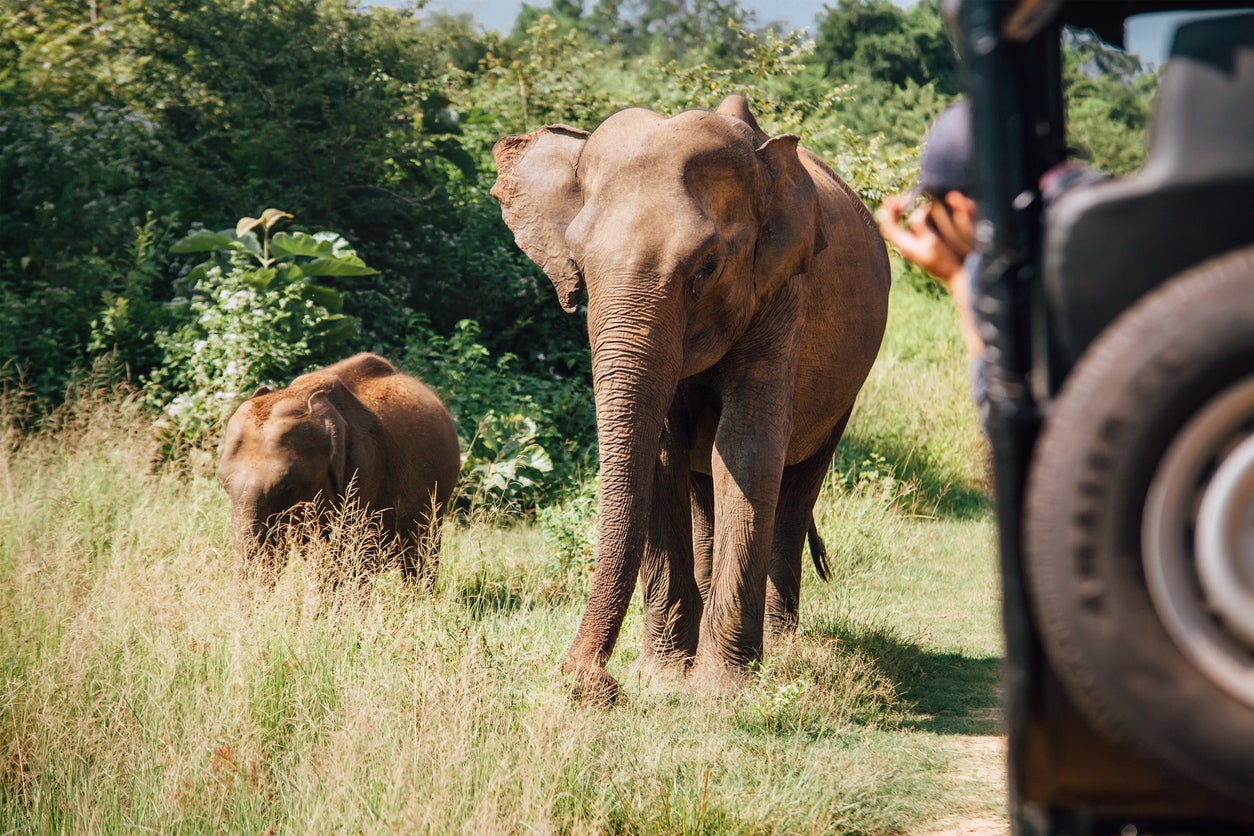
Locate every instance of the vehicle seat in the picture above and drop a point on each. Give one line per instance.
(1108, 244)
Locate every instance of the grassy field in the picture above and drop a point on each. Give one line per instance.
(144, 684)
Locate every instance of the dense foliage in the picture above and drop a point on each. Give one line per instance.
(126, 126)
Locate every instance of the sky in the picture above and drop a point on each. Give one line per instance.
(1149, 35)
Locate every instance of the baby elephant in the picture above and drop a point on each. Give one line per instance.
(361, 421)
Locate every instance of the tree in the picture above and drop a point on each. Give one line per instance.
(668, 29)
(877, 39)
(78, 174)
(202, 111)
(1109, 98)
(61, 54)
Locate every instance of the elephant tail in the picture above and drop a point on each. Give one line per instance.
(818, 552)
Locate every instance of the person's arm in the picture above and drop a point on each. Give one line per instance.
(940, 247)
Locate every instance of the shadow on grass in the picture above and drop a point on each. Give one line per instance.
(935, 491)
(944, 693)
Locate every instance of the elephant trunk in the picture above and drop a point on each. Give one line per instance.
(248, 532)
(636, 364)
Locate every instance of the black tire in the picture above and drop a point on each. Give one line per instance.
(1127, 620)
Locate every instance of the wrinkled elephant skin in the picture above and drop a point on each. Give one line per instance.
(737, 294)
(358, 422)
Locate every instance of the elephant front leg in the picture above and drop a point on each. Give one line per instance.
(672, 600)
(732, 623)
(747, 462)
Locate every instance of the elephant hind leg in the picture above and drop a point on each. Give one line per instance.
(702, 491)
(420, 549)
(794, 521)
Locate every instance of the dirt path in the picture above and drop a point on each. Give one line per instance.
(981, 766)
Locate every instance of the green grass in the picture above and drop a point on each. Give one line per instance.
(145, 684)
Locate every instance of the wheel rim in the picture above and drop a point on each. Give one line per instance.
(1225, 541)
(1198, 540)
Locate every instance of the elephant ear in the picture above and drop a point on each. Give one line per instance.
(736, 106)
(325, 412)
(789, 233)
(538, 189)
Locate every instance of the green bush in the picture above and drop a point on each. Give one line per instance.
(130, 317)
(526, 436)
(253, 315)
(571, 527)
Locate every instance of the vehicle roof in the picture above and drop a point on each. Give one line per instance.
(1106, 17)
(1027, 18)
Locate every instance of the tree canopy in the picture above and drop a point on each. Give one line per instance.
(125, 125)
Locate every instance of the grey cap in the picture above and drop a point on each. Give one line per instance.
(945, 162)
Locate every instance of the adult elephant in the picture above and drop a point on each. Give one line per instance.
(737, 294)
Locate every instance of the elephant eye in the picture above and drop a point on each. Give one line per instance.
(706, 270)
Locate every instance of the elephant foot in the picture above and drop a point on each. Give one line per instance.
(781, 625)
(591, 684)
(715, 676)
(665, 670)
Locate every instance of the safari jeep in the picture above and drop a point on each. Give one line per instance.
(1120, 348)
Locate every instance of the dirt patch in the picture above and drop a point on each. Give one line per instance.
(980, 774)
(975, 827)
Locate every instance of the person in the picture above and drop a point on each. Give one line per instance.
(939, 234)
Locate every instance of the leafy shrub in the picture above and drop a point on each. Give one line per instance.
(253, 315)
(129, 317)
(1108, 98)
(503, 463)
(515, 425)
(890, 44)
(570, 525)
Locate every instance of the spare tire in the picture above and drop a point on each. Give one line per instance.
(1139, 527)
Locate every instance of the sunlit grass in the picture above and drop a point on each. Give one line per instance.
(146, 683)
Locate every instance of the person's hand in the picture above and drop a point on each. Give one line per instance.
(937, 238)
(956, 222)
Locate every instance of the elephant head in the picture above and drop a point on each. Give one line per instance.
(679, 229)
(277, 453)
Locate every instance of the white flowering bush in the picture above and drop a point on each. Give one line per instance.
(252, 314)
